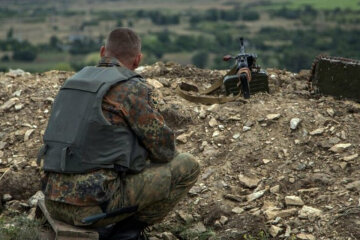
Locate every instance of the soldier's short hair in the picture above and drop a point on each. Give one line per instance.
(123, 43)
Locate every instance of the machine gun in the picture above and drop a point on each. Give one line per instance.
(245, 77)
(240, 76)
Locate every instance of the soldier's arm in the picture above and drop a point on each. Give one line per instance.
(147, 123)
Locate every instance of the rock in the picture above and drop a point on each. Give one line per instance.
(250, 182)
(351, 157)
(198, 228)
(340, 147)
(293, 201)
(273, 213)
(221, 127)
(32, 213)
(305, 236)
(354, 186)
(223, 220)
(318, 131)
(168, 236)
(266, 161)
(309, 212)
(10, 103)
(275, 189)
(214, 108)
(246, 128)
(28, 134)
(273, 116)
(39, 195)
(6, 197)
(216, 133)
(213, 122)
(182, 138)
(154, 83)
(16, 73)
(253, 196)
(18, 106)
(274, 231)
(236, 136)
(249, 123)
(1, 155)
(330, 111)
(237, 210)
(334, 140)
(294, 123)
(187, 218)
(202, 113)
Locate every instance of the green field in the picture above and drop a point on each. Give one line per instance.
(285, 34)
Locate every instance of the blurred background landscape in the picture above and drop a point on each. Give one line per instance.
(41, 35)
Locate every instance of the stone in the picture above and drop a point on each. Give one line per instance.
(273, 116)
(236, 136)
(7, 197)
(250, 182)
(213, 122)
(305, 236)
(266, 161)
(33, 200)
(223, 220)
(31, 214)
(19, 106)
(2, 145)
(214, 108)
(28, 134)
(216, 133)
(249, 123)
(202, 113)
(334, 140)
(256, 195)
(351, 157)
(1, 155)
(8, 104)
(183, 138)
(318, 131)
(294, 123)
(154, 83)
(273, 213)
(168, 236)
(330, 111)
(310, 213)
(198, 228)
(275, 189)
(221, 127)
(274, 231)
(246, 128)
(353, 186)
(237, 210)
(340, 147)
(293, 201)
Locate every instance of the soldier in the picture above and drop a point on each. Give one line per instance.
(106, 147)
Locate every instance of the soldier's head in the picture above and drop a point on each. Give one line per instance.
(124, 45)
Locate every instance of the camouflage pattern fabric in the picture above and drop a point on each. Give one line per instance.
(71, 197)
(155, 191)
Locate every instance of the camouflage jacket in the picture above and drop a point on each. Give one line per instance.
(128, 104)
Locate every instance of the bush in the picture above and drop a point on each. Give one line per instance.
(19, 228)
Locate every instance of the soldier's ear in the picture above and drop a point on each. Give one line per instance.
(137, 60)
(102, 51)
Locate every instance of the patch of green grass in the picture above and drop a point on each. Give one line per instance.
(19, 228)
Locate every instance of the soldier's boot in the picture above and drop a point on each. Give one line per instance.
(127, 229)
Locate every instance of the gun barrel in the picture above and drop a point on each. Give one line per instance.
(242, 47)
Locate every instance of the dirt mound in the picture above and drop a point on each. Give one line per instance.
(282, 166)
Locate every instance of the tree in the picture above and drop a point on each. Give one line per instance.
(200, 59)
(10, 33)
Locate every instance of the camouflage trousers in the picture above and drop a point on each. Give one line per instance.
(155, 191)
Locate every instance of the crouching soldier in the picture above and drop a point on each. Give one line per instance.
(110, 160)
